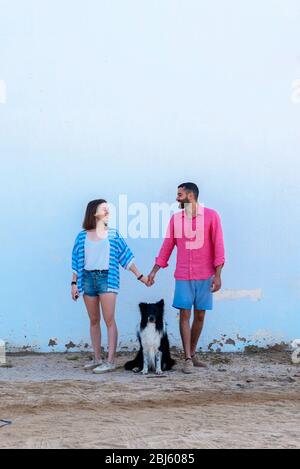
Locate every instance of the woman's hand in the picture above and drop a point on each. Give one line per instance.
(136, 272)
(145, 281)
(75, 292)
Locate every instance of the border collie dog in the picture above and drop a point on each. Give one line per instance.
(154, 353)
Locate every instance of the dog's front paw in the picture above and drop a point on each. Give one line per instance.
(159, 372)
(144, 372)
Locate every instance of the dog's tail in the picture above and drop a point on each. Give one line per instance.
(129, 366)
(136, 363)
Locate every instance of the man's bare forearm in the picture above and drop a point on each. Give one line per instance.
(219, 270)
(155, 269)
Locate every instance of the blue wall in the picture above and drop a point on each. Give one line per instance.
(133, 97)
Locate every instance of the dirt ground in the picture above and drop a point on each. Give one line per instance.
(239, 401)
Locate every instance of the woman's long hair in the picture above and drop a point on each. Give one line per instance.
(90, 222)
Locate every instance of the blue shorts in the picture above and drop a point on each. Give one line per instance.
(197, 293)
(95, 282)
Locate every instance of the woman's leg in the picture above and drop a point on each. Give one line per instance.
(108, 303)
(93, 308)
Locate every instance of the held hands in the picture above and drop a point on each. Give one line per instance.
(151, 279)
(145, 280)
(148, 280)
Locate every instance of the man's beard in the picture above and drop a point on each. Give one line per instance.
(183, 203)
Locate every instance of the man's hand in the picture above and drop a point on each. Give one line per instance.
(152, 275)
(216, 284)
(151, 279)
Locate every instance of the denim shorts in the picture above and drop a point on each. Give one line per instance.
(95, 282)
(197, 293)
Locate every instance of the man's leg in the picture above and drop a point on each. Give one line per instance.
(185, 331)
(197, 327)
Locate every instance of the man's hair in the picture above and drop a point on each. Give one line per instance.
(190, 187)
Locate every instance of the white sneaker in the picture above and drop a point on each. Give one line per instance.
(92, 365)
(104, 368)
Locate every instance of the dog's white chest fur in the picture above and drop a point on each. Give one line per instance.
(151, 340)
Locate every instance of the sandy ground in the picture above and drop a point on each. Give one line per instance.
(239, 401)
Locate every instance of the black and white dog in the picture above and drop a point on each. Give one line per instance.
(154, 353)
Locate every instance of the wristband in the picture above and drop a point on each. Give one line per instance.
(140, 277)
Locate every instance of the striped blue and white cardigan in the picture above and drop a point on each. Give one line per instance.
(120, 254)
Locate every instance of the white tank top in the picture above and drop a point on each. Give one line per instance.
(97, 254)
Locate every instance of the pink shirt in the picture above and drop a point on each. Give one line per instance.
(199, 241)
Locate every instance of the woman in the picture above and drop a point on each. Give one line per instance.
(96, 256)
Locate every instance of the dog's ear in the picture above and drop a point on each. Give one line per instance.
(143, 307)
(161, 304)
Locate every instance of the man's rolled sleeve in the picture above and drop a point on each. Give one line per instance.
(218, 241)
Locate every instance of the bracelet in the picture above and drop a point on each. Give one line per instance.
(74, 283)
(140, 277)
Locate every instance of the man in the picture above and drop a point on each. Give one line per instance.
(197, 233)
